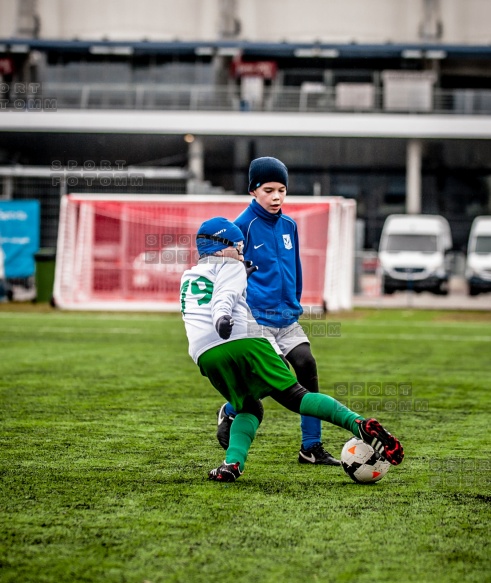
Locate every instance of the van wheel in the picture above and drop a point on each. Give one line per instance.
(387, 290)
(441, 289)
(473, 291)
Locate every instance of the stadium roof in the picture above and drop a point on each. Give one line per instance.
(248, 49)
(236, 123)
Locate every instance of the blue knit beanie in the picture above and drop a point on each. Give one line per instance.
(267, 169)
(217, 234)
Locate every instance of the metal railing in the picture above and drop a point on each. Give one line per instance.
(274, 99)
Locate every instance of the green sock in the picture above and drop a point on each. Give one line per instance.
(242, 434)
(328, 409)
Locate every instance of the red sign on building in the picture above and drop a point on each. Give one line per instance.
(264, 69)
(6, 66)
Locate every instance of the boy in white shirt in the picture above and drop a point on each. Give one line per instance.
(227, 345)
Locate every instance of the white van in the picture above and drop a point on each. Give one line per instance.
(478, 266)
(413, 253)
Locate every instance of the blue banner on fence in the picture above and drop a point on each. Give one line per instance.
(19, 236)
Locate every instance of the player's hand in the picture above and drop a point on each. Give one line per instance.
(224, 326)
(250, 268)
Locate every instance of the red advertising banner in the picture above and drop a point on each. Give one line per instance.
(264, 69)
(6, 66)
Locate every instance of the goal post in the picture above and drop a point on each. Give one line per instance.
(128, 252)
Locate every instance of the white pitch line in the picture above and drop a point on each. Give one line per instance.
(429, 324)
(159, 317)
(74, 330)
(349, 336)
(433, 337)
(77, 317)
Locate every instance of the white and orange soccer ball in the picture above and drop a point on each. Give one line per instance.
(362, 463)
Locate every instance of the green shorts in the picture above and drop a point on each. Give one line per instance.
(247, 367)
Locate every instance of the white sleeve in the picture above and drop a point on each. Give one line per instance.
(230, 283)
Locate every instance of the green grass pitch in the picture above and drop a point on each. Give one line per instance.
(107, 432)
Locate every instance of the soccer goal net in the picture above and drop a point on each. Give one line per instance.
(128, 252)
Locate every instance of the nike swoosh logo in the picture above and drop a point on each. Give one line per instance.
(222, 419)
(310, 458)
(257, 246)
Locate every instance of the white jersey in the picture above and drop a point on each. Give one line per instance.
(215, 287)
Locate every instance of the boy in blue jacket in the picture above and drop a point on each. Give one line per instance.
(230, 350)
(274, 292)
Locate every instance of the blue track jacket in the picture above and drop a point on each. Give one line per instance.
(271, 243)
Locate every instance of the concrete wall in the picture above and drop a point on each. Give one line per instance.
(363, 21)
(8, 18)
(162, 20)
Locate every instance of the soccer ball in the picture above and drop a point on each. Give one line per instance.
(362, 463)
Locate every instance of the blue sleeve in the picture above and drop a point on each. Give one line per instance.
(298, 266)
(242, 224)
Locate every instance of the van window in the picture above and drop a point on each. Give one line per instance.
(483, 244)
(421, 243)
